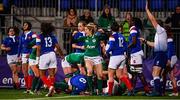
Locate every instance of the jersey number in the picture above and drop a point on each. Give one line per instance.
(121, 42)
(82, 80)
(48, 41)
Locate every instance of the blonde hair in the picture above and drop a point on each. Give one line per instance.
(90, 26)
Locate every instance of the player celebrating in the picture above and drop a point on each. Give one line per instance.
(79, 47)
(117, 46)
(10, 45)
(92, 56)
(136, 55)
(46, 43)
(160, 48)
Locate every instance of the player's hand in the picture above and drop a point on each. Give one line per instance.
(168, 63)
(34, 46)
(101, 30)
(141, 39)
(82, 47)
(146, 5)
(7, 48)
(74, 33)
(37, 60)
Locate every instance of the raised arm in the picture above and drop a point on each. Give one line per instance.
(150, 16)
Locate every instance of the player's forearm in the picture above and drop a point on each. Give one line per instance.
(76, 46)
(151, 44)
(151, 18)
(3, 47)
(38, 51)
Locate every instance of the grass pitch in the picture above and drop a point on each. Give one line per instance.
(19, 95)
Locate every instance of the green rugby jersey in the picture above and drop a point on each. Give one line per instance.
(91, 44)
(75, 58)
(33, 52)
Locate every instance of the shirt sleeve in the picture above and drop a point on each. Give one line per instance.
(110, 44)
(38, 40)
(75, 37)
(159, 29)
(55, 40)
(5, 42)
(80, 39)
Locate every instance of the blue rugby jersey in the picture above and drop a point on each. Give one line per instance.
(47, 43)
(134, 33)
(11, 42)
(79, 82)
(170, 48)
(24, 41)
(117, 44)
(76, 36)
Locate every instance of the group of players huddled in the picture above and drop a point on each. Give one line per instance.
(101, 64)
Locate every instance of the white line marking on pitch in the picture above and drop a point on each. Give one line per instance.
(51, 98)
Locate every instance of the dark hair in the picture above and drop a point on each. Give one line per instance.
(132, 22)
(168, 30)
(115, 27)
(75, 12)
(16, 30)
(47, 28)
(9, 29)
(104, 14)
(176, 8)
(160, 22)
(128, 13)
(29, 25)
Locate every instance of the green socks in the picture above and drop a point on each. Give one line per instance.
(99, 86)
(90, 83)
(34, 83)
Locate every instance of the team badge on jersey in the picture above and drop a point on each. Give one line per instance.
(86, 41)
(94, 40)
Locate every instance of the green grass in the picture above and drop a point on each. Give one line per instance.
(18, 94)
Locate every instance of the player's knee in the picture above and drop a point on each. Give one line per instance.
(111, 79)
(155, 73)
(100, 75)
(36, 75)
(14, 72)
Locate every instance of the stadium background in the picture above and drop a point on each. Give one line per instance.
(15, 12)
